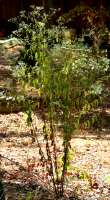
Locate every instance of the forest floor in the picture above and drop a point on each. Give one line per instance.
(89, 176)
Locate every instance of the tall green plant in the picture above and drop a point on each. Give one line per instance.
(69, 81)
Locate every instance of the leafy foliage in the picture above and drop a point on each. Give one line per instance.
(88, 18)
(90, 22)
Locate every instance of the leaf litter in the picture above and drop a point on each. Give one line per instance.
(88, 176)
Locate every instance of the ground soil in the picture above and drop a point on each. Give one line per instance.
(90, 156)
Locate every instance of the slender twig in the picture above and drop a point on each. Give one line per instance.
(14, 162)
